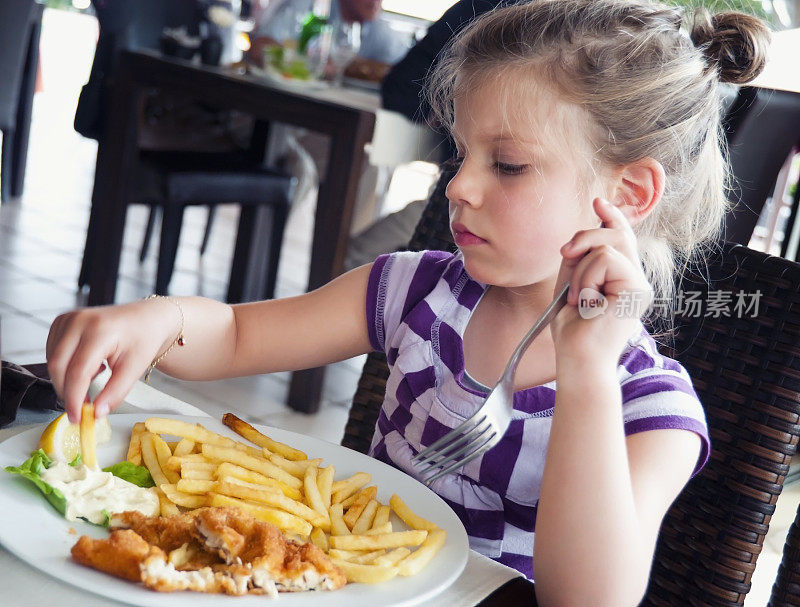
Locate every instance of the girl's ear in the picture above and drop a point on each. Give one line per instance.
(639, 186)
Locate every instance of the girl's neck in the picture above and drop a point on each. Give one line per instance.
(526, 301)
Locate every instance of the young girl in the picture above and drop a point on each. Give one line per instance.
(589, 150)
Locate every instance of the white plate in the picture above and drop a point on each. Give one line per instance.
(275, 77)
(33, 530)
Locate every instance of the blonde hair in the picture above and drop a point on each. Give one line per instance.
(649, 89)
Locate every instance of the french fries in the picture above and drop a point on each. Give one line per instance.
(262, 466)
(408, 516)
(297, 468)
(338, 526)
(269, 497)
(190, 485)
(201, 471)
(232, 470)
(363, 497)
(167, 508)
(382, 516)
(319, 539)
(245, 430)
(280, 485)
(286, 522)
(364, 521)
(180, 498)
(415, 562)
(135, 446)
(324, 484)
(365, 574)
(194, 432)
(393, 556)
(184, 447)
(343, 489)
(151, 462)
(313, 497)
(163, 454)
(396, 539)
(88, 439)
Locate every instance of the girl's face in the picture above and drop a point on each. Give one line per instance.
(521, 190)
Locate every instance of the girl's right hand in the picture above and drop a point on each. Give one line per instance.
(128, 337)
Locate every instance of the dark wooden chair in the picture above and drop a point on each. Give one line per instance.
(187, 157)
(747, 373)
(761, 126)
(20, 27)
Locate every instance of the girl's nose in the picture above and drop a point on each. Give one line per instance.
(461, 189)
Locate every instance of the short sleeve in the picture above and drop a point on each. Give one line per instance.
(397, 282)
(657, 394)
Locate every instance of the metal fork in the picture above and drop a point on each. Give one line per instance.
(484, 429)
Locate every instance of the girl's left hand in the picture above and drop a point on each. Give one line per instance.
(601, 263)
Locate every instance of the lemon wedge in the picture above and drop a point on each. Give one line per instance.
(61, 440)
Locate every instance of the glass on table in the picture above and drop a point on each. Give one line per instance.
(344, 46)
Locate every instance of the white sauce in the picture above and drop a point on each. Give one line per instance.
(89, 492)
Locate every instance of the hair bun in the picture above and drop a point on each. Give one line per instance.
(734, 42)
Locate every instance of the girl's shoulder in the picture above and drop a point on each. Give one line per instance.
(415, 283)
(657, 393)
(433, 263)
(641, 356)
(418, 273)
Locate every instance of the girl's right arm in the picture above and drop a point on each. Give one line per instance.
(221, 340)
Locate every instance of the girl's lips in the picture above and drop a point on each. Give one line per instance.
(463, 237)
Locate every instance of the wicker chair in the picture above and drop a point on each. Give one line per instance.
(747, 373)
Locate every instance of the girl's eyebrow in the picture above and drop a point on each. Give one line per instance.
(490, 137)
(503, 137)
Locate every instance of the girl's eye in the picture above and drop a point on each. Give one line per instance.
(510, 169)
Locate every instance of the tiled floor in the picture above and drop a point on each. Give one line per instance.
(42, 238)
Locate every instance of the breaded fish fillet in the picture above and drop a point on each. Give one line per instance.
(166, 532)
(210, 550)
(175, 535)
(240, 538)
(121, 554)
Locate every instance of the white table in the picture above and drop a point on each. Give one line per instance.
(30, 587)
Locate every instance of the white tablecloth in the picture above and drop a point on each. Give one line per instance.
(24, 585)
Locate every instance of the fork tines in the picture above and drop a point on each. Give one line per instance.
(461, 445)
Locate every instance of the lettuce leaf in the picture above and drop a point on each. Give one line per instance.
(105, 523)
(32, 469)
(38, 462)
(128, 471)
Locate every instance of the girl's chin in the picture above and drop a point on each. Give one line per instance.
(487, 273)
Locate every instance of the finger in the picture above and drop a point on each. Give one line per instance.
(605, 272)
(124, 373)
(611, 274)
(585, 240)
(576, 284)
(611, 215)
(565, 273)
(79, 374)
(59, 358)
(607, 258)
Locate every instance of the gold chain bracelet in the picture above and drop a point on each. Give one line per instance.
(178, 341)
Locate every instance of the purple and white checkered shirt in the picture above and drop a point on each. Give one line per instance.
(418, 306)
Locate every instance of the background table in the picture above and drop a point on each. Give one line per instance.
(348, 119)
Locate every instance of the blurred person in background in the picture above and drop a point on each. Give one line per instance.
(381, 45)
